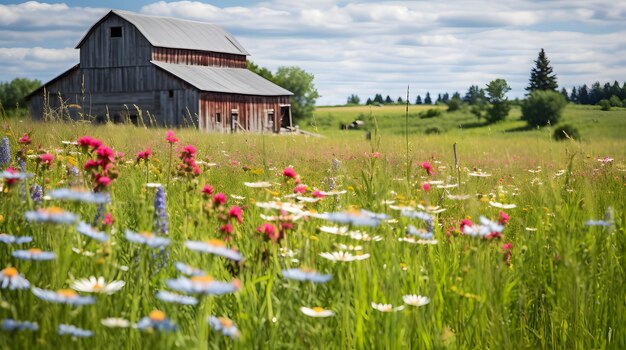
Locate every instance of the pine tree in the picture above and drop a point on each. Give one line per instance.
(427, 99)
(564, 93)
(388, 100)
(418, 100)
(574, 95)
(583, 95)
(541, 76)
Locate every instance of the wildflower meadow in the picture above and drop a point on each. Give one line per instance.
(122, 237)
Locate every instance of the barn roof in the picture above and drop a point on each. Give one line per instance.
(226, 80)
(178, 33)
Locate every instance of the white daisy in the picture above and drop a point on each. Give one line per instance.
(362, 236)
(97, 285)
(334, 230)
(115, 322)
(415, 300)
(343, 256)
(260, 184)
(501, 205)
(479, 173)
(387, 307)
(458, 197)
(316, 311)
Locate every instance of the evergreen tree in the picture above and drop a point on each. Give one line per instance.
(438, 99)
(564, 93)
(354, 100)
(369, 101)
(474, 94)
(388, 100)
(583, 95)
(574, 95)
(445, 98)
(616, 90)
(596, 94)
(400, 100)
(418, 100)
(378, 99)
(456, 94)
(541, 76)
(427, 99)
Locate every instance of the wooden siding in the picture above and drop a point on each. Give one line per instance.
(198, 58)
(252, 111)
(101, 50)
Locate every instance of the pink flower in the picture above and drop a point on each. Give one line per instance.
(269, 231)
(10, 182)
(108, 219)
(300, 189)
(171, 137)
(428, 168)
(195, 169)
(106, 154)
(90, 164)
(465, 222)
(145, 155)
(376, 155)
(46, 159)
(507, 246)
(187, 152)
(207, 190)
(317, 194)
(289, 172)
(25, 140)
(426, 186)
(103, 181)
(228, 229)
(235, 212)
(88, 141)
(504, 218)
(219, 199)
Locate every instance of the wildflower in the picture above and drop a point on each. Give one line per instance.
(33, 254)
(36, 193)
(11, 176)
(203, 285)
(170, 297)
(333, 193)
(74, 331)
(108, 219)
(224, 325)
(465, 223)
(160, 212)
(10, 239)
(235, 212)
(11, 325)
(507, 247)
(300, 188)
(219, 199)
(214, 246)
(289, 173)
(63, 296)
(351, 247)
(189, 270)
(376, 155)
(417, 215)
(423, 234)
(306, 275)
(317, 194)
(269, 231)
(504, 218)
(597, 223)
(316, 311)
(478, 173)
(226, 229)
(52, 214)
(153, 185)
(415, 300)
(426, 186)
(144, 155)
(24, 140)
(5, 152)
(171, 137)
(87, 142)
(97, 285)
(428, 168)
(343, 256)
(11, 278)
(85, 229)
(80, 195)
(334, 230)
(355, 217)
(103, 181)
(260, 184)
(502, 206)
(412, 240)
(207, 190)
(147, 238)
(460, 197)
(387, 307)
(362, 236)
(486, 229)
(114, 322)
(46, 159)
(156, 320)
(307, 199)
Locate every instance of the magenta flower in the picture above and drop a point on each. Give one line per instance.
(376, 155)
(235, 212)
(289, 172)
(269, 231)
(25, 140)
(504, 218)
(145, 155)
(426, 186)
(207, 190)
(227, 229)
(317, 194)
(46, 159)
(465, 223)
(188, 152)
(300, 189)
(428, 168)
(171, 137)
(219, 199)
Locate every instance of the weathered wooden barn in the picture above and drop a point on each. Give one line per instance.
(176, 70)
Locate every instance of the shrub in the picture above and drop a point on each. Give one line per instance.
(543, 108)
(430, 113)
(615, 101)
(563, 132)
(454, 104)
(605, 105)
(433, 131)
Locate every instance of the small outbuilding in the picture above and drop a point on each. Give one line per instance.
(170, 71)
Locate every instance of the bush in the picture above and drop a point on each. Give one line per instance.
(564, 132)
(543, 108)
(454, 104)
(431, 113)
(615, 101)
(433, 131)
(605, 105)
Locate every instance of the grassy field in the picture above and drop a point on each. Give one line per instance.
(549, 279)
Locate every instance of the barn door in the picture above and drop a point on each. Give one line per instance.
(285, 117)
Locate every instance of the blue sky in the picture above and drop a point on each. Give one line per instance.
(360, 47)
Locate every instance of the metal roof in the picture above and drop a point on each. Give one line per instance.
(178, 33)
(239, 81)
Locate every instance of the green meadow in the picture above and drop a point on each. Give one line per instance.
(543, 275)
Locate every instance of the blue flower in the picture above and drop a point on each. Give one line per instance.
(202, 285)
(10, 239)
(11, 278)
(224, 325)
(15, 176)
(87, 230)
(306, 275)
(11, 325)
(423, 234)
(63, 296)
(33, 254)
(486, 228)
(214, 246)
(189, 270)
(74, 331)
(54, 215)
(147, 238)
(417, 214)
(5, 152)
(156, 320)
(36, 193)
(160, 212)
(355, 217)
(170, 297)
(80, 195)
(597, 223)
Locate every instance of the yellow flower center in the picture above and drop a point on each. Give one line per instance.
(156, 315)
(226, 322)
(68, 293)
(52, 210)
(202, 279)
(34, 250)
(216, 242)
(147, 234)
(10, 272)
(318, 309)
(98, 286)
(306, 269)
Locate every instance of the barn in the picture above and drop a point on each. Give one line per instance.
(169, 71)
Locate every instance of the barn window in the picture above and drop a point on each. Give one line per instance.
(171, 92)
(116, 32)
(218, 117)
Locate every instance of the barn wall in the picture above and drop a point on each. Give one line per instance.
(198, 58)
(99, 49)
(252, 111)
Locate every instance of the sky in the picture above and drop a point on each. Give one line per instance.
(358, 47)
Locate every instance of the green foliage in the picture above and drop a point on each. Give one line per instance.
(12, 93)
(615, 101)
(565, 132)
(541, 76)
(605, 105)
(543, 107)
(455, 104)
(433, 130)
(428, 100)
(499, 105)
(300, 83)
(354, 100)
(430, 113)
(474, 95)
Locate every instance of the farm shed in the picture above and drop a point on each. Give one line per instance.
(176, 70)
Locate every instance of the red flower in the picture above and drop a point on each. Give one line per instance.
(428, 168)
(507, 246)
(88, 141)
(269, 231)
(228, 229)
(426, 186)
(188, 152)
(504, 218)
(219, 199)
(235, 212)
(91, 164)
(317, 194)
(300, 189)
(289, 172)
(207, 190)
(24, 140)
(103, 181)
(46, 159)
(171, 137)
(10, 182)
(145, 155)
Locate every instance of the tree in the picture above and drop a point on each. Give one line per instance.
(438, 99)
(399, 101)
(474, 94)
(543, 108)
(12, 93)
(564, 93)
(369, 101)
(378, 99)
(300, 83)
(388, 100)
(427, 99)
(574, 95)
(455, 103)
(264, 72)
(583, 95)
(499, 103)
(541, 76)
(445, 98)
(353, 100)
(418, 100)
